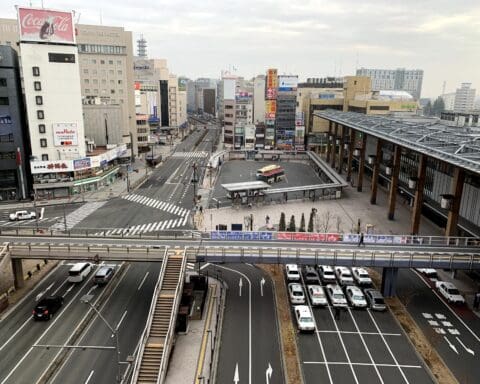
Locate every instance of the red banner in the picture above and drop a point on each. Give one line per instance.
(46, 25)
(308, 236)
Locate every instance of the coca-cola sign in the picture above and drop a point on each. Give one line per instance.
(45, 25)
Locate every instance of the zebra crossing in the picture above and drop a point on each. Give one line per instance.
(191, 155)
(30, 223)
(145, 228)
(78, 215)
(157, 204)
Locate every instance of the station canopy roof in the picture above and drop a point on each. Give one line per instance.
(458, 146)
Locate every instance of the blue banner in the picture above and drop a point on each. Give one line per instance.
(239, 235)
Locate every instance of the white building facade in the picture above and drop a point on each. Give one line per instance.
(464, 98)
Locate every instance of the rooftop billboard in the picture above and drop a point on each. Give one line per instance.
(287, 83)
(46, 25)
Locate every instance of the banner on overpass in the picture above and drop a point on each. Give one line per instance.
(308, 236)
(239, 235)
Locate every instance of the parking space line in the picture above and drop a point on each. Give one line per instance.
(388, 347)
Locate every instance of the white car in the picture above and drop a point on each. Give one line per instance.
(22, 215)
(336, 296)
(317, 295)
(450, 292)
(327, 275)
(304, 318)
(429, 272)
(344, 275)
(361, 276)
(355, 296)
(295, 291)
(292, 272)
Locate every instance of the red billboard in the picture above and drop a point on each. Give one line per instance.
(46, 25)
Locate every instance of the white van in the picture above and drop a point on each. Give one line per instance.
(304, 318)
(78, 272)
(292, 272)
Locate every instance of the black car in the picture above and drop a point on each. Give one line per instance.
(46, 307)
(310, 275)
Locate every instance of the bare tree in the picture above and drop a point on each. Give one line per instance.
(338, 223)
(325, 223)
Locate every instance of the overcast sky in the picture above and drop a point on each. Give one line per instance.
(312, 39)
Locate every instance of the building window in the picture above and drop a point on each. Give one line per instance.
(36, 71)
(87, 90)
(94, 61)
(95, 91)
(112, 81)
(44, 157)
(43, 143)
(3, 82)
(86, 81)
(94, 72)
(85, 71)
(119, 73)
(110, 62)
(112, 91)
(40, 115)
(119, 62)
(39, 100)
(119, 81)
(4, 101)
(102, 61)
(41, 128)
(104, 81)
(110, 72)
(37, 85)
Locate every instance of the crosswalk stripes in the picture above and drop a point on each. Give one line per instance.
(191, 266)
(157, 204)
(191, 155)
(30, 223)
(78, 215)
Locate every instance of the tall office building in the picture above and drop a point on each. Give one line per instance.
(464, 98)
(259, 99)
(285, 114)
(409, 80)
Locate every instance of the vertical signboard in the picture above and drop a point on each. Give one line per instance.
(65, 134)
(46, 25)
(272, 84)
(270, 109)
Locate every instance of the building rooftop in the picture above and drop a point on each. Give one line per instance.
(458, 146)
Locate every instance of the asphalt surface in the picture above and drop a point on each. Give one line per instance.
(454, 331)
(250, 337)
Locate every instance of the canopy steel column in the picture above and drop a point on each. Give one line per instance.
(334, 145)
(340, 156)
(361, 166)
(392, 198)
(457, 190)
(389, 281)
(329, 142)
(376, 172)
(17, 268)
(417, 206)
(351, 144)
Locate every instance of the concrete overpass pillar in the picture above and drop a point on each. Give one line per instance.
(329, 140)
(376, 171)
(392, 197)
(334, 145)
(361, 166)
(417, 205)
(17, 268)
(351, 145)
(341, 152)
(456, 191)
(389, 281)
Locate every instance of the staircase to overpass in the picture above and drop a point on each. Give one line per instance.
(152, 360)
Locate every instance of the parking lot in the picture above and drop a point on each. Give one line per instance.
(361, 346)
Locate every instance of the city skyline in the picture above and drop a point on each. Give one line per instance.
(314, 39)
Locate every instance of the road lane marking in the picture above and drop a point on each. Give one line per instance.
(363, 333)
(16, 332)
(363, 364)
(120, 322)
(89, 377)
(143, 280)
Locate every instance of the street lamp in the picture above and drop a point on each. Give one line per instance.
(106, 127)
(86, 300)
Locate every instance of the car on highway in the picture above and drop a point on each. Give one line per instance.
(316, 295)
(355, 296)
(336, 296)
(296, 294)
(47, 307)
(429, 272)
(22, 215)
(310, 275)
(103, 275)
(344, 275)
(304, 318)
(375, 299)
(450, 292)
(327, 274)
(361, 276)
(78, 272)
(292, 272)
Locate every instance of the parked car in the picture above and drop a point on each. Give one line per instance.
(355, 296)
(336, 296)
(344, 275)
(296, 294)
(317, 295)
(292, 272)
(103, 275)
(361, 276)
(429, 272)
(47, 307)
(22, 215)
(375, 299)
(310, 275)
(304, 318)
(449, 292)
(327, 275)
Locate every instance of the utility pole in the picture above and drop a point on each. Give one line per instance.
(64, 218)
(194, 181)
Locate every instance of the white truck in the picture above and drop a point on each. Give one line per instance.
(449, 292)
(22, 215)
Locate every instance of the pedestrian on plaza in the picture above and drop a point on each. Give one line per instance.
(267, 219)
(360, 242)
(476, 301)
(337, 313)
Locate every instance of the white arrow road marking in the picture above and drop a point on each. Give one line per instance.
(89, 377)
(45, 291)
(41, 213)
(236, 378)
(268, 373)
(451, 345)
(262, 283)
(240, 285)
(91, 289)
(464, 346)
